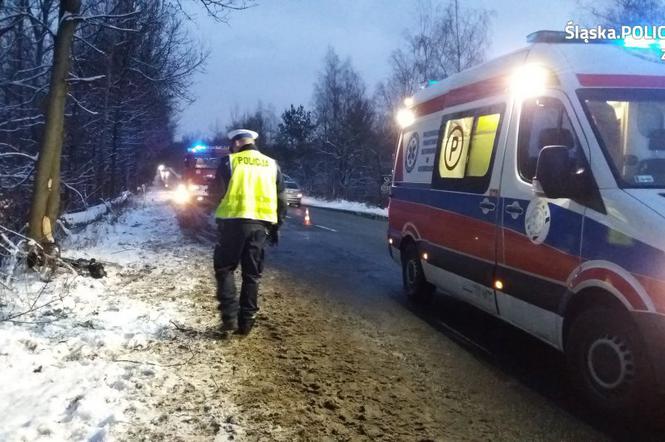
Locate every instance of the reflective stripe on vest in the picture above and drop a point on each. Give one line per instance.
(252, 190)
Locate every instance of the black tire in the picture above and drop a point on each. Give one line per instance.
(416, 287)
(607, 362)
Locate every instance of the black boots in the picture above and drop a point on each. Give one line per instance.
(244, 327)
(229, 326)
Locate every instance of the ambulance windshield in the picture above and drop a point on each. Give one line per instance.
(630, 125)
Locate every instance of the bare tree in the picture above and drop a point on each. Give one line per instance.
(448, 39)
(46, 193)
(262, 120)
(616, 13)
(217, 9)
(26, 44)
(344, 117)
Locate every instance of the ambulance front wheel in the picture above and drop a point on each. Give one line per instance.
(608, 362)
(413, 277)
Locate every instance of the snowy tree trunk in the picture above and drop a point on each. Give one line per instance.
(46, 196)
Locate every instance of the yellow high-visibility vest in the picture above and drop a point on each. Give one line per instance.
(252, 190)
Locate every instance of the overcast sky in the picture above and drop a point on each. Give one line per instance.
(273, 52)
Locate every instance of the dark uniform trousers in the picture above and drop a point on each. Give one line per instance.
(240, 241)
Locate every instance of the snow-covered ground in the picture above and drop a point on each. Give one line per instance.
(76, 359)
(347, 206)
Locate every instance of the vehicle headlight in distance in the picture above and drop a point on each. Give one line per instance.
(181, 194)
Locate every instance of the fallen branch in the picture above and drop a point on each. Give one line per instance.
(58, 296)
(214, 333)
(156, 364)
(32, 309)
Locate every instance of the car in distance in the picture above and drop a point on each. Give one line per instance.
(293, 192)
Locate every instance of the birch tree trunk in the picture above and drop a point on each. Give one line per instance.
(46, 194)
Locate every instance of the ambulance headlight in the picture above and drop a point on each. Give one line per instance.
(530, 80)
(405, 117)
(181, 194)
(300, 195)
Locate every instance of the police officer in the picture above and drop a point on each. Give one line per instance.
(248, 216)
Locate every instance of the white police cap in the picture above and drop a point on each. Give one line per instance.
(242, 133)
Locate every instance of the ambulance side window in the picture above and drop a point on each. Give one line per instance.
(544, 122)
(467, 142)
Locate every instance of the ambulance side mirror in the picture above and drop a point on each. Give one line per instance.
(556, 173)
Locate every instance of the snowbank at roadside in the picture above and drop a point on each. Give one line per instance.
(75, 358)
(347, 206)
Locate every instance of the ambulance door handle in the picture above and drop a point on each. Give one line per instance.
(514, 209)
(487, 206)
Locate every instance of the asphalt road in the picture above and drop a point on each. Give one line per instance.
(347, 252)
(346, 257)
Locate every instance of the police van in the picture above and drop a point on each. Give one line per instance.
(533, 187)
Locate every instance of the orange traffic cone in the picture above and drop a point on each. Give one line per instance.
(307, 219)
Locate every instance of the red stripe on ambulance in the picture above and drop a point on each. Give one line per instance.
(544, 261)
(451, 230)
(613, 279)
(655, 289)
(464, 94)
(614, 80)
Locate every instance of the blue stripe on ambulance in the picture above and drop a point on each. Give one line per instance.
(466, 204)
(600, 242)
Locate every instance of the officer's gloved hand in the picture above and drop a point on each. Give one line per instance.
(273, 235)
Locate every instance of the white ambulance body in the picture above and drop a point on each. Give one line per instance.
(533, 186)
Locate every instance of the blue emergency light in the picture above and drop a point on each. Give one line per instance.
(643, 43)
(197, 148)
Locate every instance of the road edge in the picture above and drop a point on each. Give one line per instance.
(352, 212)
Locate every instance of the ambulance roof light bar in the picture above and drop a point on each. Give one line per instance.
(547, 36)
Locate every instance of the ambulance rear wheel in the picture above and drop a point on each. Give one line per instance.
(607, 361)
(416, 287)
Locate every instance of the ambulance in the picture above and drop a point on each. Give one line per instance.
(533, 187)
